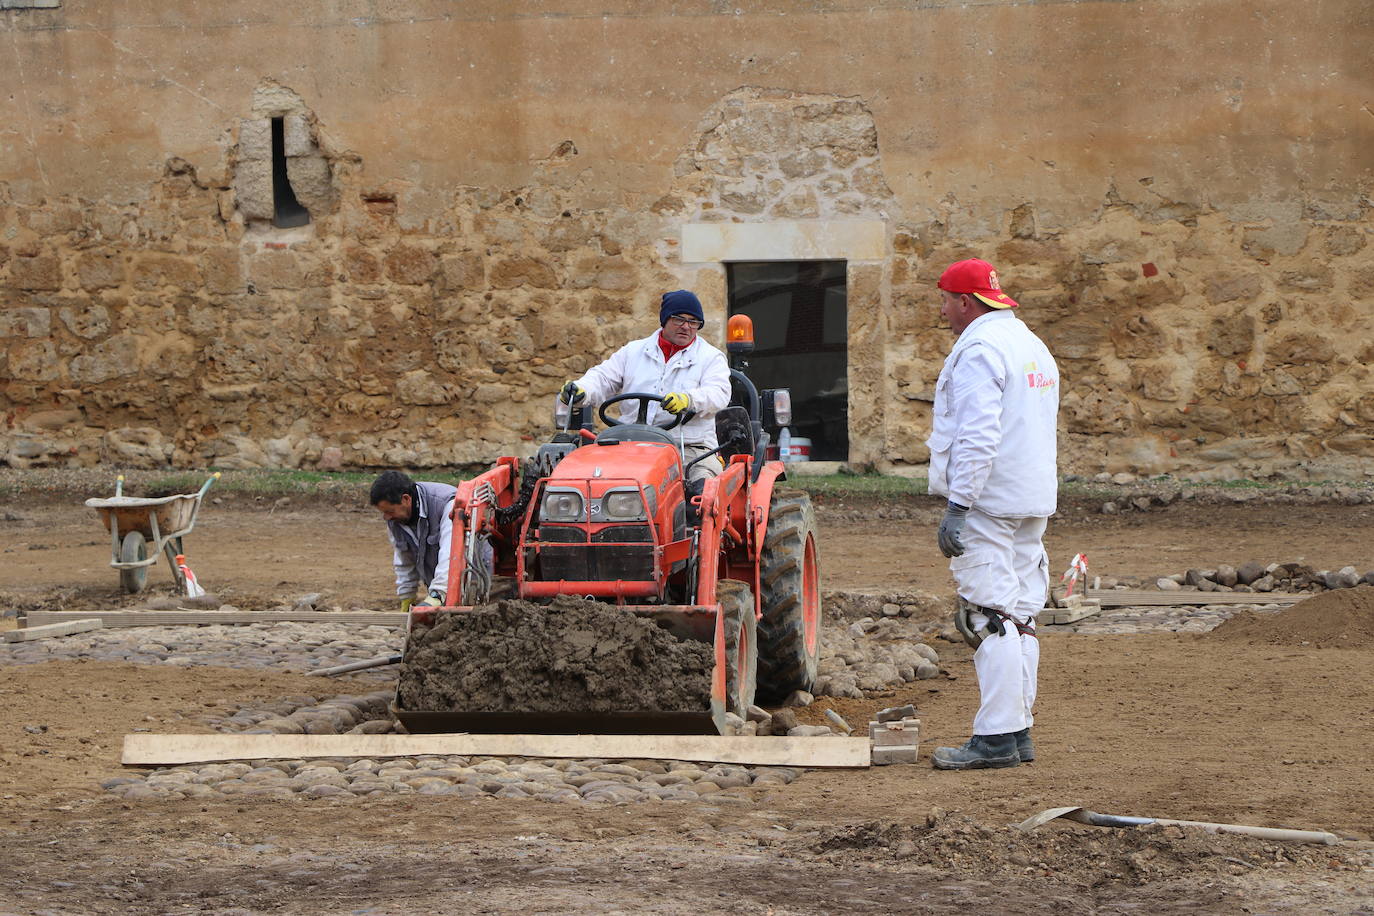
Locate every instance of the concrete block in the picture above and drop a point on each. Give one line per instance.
(895, 734)
(884, 756)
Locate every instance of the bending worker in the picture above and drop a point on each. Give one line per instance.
(421, 530)
(992, 455)
(688, 373)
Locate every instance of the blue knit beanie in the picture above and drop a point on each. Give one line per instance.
(680, 302)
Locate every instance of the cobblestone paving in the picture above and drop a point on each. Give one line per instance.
(1135, 620)
(591, 780)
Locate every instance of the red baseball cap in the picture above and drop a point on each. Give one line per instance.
(977, 278)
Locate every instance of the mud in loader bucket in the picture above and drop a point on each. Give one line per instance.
(648, 679)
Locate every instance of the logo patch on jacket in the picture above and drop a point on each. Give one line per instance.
(1035, 379)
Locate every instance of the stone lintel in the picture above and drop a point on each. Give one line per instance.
(810, 240)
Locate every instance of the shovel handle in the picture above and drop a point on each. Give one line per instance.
(1264, 833)
(1278, 834)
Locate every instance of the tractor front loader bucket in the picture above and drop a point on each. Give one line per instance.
(686, 622)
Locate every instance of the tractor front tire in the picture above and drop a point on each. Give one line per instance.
(132, 549)
(741, 645)
(789, 576)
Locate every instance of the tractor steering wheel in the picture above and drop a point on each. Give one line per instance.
(645, 401)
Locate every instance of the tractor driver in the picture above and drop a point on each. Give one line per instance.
(418, 521)
(685, 371)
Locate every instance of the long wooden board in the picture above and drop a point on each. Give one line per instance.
(164, 750)
(237, 618)
(65, 628)
(1139, 597)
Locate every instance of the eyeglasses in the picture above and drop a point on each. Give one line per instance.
(685, 321)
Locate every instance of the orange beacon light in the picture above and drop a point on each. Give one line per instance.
(739, 334)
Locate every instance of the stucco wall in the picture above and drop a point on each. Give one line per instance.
(1177, 192)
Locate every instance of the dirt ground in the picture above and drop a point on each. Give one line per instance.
(1184, 726)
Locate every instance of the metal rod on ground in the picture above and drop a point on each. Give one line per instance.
(356, 666)
(1084, 816)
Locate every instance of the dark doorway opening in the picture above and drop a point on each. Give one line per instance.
(801, 341)
(286, 210)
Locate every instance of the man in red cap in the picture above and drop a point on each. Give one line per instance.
(992, 455)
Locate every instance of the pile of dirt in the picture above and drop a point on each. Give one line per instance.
(961, 848)
(573, 654)
(1341, 619)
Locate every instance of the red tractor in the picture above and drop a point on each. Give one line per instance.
(730, 561)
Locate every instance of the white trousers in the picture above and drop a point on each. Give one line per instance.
(1004, 567)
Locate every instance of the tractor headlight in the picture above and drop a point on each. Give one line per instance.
(561, 506)
(623, 505)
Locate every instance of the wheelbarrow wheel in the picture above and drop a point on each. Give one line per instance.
(131, 550)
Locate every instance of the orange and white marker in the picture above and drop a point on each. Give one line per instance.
(193, 589)
(1078, 568)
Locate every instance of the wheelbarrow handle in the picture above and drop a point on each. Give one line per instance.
(213, 477)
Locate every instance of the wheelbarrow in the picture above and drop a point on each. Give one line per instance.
(133, 523)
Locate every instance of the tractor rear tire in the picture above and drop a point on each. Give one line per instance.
(789, 577)
(741, 645)
(132, 549)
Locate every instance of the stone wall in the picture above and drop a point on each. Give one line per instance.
(1199, 264)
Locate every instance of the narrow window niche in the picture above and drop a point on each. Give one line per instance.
(287, 212)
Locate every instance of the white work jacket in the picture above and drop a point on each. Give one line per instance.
(992, 440)
(700, 372)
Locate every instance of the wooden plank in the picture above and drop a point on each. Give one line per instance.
(1075, 609)
(65, 628)
(159, 750)
(234, 618)
(1138, 597)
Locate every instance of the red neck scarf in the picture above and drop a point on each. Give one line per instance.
(668, 347)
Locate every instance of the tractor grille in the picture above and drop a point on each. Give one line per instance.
(605, 558)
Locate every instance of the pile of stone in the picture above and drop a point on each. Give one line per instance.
(1257, 577)
(843, 607)
(875, 654)
(591, 780)
(366, 714)
(1139, 502)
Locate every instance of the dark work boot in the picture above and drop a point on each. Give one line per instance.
(981, 751)
(1024, 749)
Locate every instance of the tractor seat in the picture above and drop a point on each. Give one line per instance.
(634, 432)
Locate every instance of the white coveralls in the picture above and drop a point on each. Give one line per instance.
(992, 448)
(700, 371)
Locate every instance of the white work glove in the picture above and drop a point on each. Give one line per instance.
(950, 527)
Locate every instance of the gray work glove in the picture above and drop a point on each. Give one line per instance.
(950, 526)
